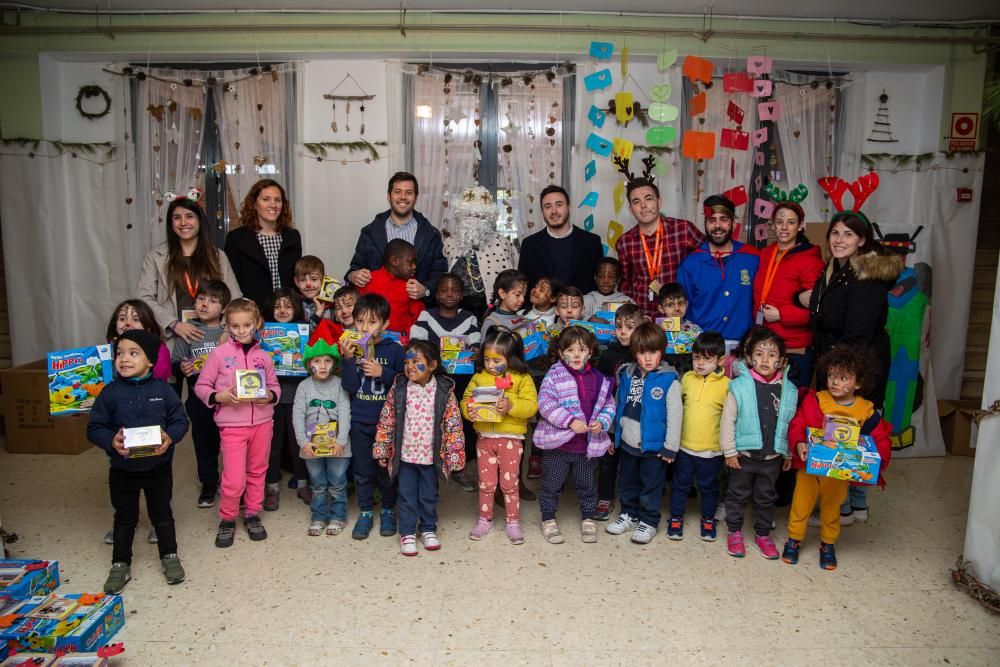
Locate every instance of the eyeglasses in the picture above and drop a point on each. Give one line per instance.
(316, 403)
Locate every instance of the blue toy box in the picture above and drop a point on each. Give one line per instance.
(286, 343)
(77, 376)
(854, 462)
(56, 623)
(24, 578)
(603, 332)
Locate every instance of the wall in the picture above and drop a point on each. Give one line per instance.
(62, 80)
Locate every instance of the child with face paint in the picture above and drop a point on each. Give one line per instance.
(543, 301)
(500, 444)
(576, 407)
(569, 305)
(754, 437)
(508, 298)
(419, 437)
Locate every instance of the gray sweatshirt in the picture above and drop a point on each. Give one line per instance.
(304, 414)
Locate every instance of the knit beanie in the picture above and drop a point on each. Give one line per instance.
(323, 342)
(150, 343)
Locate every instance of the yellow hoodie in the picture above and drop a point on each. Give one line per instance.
(522, 395)
(704, 398)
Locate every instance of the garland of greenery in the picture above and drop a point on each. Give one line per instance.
(319, 149)
(93, 91)
(872, 159)
(73, 148)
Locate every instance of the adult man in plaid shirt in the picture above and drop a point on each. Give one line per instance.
(653, 249)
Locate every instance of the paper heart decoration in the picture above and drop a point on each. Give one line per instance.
(758, 158)
(666, 60)
(698, 145)
(590, 200)
(737, 82)
(735, 113)
(760, 233)
(622, 147)
(663, 113)
(759, 64)
(597, 80)
(769, 111)
(762, 88)
(614, 232)
(759, 137)
(763, 208)
(735, 139)
(698, 69)
(599, 145)
(618, 196)
(624, 107)
(590, 170)
(697, 104)
(661, 136)
(737, 195)
(596, 116)
(588, 223)
(661, 166)
(601, 50)
(660, 92)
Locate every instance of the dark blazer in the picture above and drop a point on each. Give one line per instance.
(587, 249)
(369, 251)
(246, 256)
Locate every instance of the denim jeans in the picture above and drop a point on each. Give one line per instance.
(418, 498)
(703, 471)
(857, 499)
(640, 486)
(328, 475)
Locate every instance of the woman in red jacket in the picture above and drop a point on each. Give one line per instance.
(788, 267)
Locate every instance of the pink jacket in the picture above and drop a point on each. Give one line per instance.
(219, 374)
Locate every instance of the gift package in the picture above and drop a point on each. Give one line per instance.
(838, 450)
(286, 343)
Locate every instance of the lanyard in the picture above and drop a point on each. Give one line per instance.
(772, 271)
(654, 269)
(191, 289)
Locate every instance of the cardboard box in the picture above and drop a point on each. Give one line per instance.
(87, 623)
(24, 578)
(858, 462)
(958, 428)
(29, 426)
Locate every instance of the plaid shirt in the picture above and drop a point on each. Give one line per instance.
(681, 238)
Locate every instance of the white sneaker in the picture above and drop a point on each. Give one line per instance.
(622, 524)
(643, 533)
(408, 545)
(861, 516)
(847, 519)
(430, 541)
(720, 512)
(814, 521)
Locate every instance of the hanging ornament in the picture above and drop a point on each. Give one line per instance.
(347, 117)
(333, 125)
(362, 109)
(334, 97)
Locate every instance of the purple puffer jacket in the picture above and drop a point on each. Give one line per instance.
(559, 405)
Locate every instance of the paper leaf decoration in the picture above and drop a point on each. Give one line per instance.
(762, 88)
(601, 50)
(735, 113)
(759, 64)
(698, 145)
(698, 104)
(735, 139)
(624, 63)
(769, 110)
(596, 116)
(763, 208)
(590, 200)
(618, 196)
(661, 135)
(660, 92)
(598, 80)
(599, 145)
(624, 107)
(758, 157)
(663, 113)
(588, 223)
(661, 166)
(623, 148)
(614, 232)
(698, 69)
(737, 82)
(759, 137)
(737, 195)
(666, 60)
(590, 170)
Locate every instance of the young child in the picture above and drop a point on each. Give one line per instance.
(136, 314)
(210, 300)
(367, 379)
(343, 305)
(699, 459)
(543, 302)
(754, 437)
(134, 399)
(508, 298)
(647, 433)
(501, 443)
(606, 275)
(245, 425)
(447, 319)
(569, 305)
(319, 400)
(848, 372)
(309, 273)
(420, 436)
(576, 406)
(284, 307)
(612, 358)
(673, 303)
(399, 264)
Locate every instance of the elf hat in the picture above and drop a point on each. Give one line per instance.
(323, 342)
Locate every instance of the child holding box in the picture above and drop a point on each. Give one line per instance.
(673, 308)
(399, 265)
(606, 276)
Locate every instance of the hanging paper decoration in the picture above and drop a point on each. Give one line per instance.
(661, 135)
(615, 231)
(737, 82)
(599, 145)
(666, 60)
(590, 170)
(598, 80)
(763, 208)
(759, 137)
(737, 195)
(758, 156)
(590, 200)
(660, 168)
(881, 130)
(623, 147)
(698, 69)
(624, 107)
(624, 63)
(596, 116)
(618, 196)
(601, 50)
(735, 113)
(588, 223)
(759, 64)
(660, 92)
(698, 104)
(663, 113)
(769, 110)
(347, 99)
(698, 145)
(735, 139)
(762, 88)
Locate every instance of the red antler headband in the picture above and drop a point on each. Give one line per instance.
(860, 190)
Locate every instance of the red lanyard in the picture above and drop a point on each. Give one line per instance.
(654, 269)
(192, 289)
(772, 271)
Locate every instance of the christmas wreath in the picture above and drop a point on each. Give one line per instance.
(93, 91)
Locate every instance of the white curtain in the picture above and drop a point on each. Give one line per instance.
(850, 136)
(527, 114)
(397, 98)
(169, 120)
(255, 126)
(806, 136)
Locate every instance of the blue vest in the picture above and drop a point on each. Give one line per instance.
(748, 435)
(653, 422)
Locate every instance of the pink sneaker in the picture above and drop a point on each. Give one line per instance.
(734, 545)
(514, 533)
(481, 529)
(766, 546)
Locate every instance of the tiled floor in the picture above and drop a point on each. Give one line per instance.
(296, 600)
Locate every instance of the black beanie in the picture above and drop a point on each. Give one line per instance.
(150, 343)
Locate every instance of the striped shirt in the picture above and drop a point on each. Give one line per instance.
(271, 243)
(407, 232)
(430, 326)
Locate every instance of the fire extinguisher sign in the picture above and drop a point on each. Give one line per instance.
(964, 130)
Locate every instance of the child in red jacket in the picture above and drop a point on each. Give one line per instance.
(398, 267)
(848, 371)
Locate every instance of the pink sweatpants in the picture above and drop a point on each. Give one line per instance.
(245, 450)
(499, 461)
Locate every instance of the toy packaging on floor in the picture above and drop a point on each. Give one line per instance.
(24, 578)
(64, 659)
(856, 461)
(62, 623)
(286, 343)
(76, 377)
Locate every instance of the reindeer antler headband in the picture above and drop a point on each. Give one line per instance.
(648, 163)
(860, 190)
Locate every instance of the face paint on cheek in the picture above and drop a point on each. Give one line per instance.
(421, 367)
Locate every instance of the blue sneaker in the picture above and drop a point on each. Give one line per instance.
(362, 526)
(708, 531)
(387, 523)
(603, 511)
(675, 529)
(827, 556)
(790, 554)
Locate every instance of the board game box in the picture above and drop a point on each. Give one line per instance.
(286, 343)
(66, 622)
(77, 376)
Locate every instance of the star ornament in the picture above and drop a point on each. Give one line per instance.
(511, 129)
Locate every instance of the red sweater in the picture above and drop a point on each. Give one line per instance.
(810, 415)
(403, 310)
(797, 272)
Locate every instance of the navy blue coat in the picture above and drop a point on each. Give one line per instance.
(431, 263)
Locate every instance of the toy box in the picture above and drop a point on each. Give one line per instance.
(64, 623)
(286, 343)
(461, 363)
(669, 324)
(535, 346)
(323, 437)
(250, 384)
(482, 405)
(523, 327)
(605, 316)
(603, 332)
(328, 289)
(857, 462)
(612, 306)
(61, 658)
(142, 441)
(396, 336)
(77, 376)
(24, 578)
(30, 660)
(363, 349)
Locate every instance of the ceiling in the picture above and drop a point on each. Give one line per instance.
(883, 10)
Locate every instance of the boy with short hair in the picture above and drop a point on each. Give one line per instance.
(135, 399)
(343, 305)
(607, 273)
(399, 264)
(673, 303)
(309, 274)
(699, 460)
(569, 305)
(187, 359)
(367, 378)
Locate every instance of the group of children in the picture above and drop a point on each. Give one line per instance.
(615, 418)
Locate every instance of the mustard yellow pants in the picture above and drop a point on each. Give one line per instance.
(831, 493)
